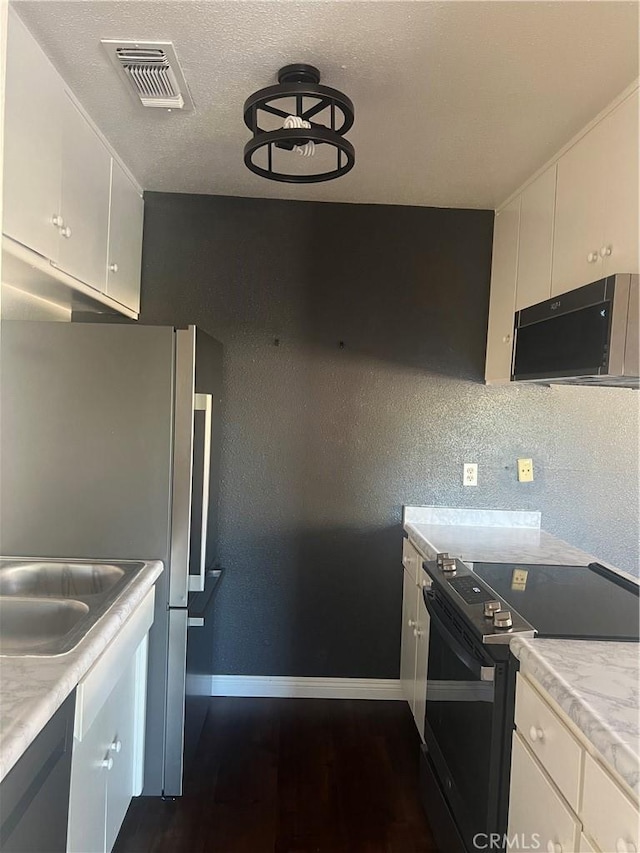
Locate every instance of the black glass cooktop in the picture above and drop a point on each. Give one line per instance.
(581, 602)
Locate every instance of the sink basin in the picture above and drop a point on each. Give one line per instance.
(48, 606)
(28, 624)
(58, 580)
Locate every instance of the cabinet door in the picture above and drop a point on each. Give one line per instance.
(586, 846)
(408, 648)
(32, 143)
(125, 240)
(622, 228)
(86, 178)
(503, 293)
(581, 199)
(89, 772)
(120, 778)
(422, 656)
(537, 812)
(536, 240)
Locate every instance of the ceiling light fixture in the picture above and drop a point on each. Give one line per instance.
(290, 107)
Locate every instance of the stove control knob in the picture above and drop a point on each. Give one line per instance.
(502, 619)
(440, 557)
(491, 607)
(448, 565)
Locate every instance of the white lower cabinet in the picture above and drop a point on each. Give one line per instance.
(537, 813)
(560, 792)
(108, 746)
(415, 635)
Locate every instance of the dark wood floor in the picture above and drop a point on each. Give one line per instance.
(292, 776)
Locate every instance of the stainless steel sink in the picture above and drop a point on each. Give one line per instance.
(58, 580)
(30, 624)
(48, 606)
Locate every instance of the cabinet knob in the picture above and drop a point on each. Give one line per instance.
(412, 623)
(536, 734)
(425, 583)
(623, 846)
(116, 745)
(113, 267)
(417, 632)
(605, 251)
(506, 339)
(57, 221)
(554, 847)
(592, 257)
(65, 232)
(107, 762)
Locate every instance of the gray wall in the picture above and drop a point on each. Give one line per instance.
(323, 443)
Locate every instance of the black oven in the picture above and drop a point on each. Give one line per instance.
(469, 704)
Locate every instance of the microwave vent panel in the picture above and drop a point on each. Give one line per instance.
(151, 72)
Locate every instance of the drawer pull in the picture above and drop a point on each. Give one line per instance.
(554, 847)
(116, 745)
(536, 734)
(107, 762)
(623, 846)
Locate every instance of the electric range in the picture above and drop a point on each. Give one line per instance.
(474, 613)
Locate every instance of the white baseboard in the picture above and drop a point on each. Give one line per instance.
(301, 688)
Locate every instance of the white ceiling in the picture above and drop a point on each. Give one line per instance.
(457, 103)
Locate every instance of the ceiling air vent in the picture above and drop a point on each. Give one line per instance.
(152, 72)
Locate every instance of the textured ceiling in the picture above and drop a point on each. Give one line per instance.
(456, 102)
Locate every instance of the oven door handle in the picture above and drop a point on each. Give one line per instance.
(482, 673)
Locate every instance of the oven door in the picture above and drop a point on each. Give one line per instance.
(465, 720)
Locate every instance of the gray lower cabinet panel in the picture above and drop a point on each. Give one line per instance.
(34, 796)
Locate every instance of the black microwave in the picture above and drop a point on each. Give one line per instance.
(587, 336)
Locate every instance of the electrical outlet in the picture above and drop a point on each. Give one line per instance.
(469, 474)
(525, 470)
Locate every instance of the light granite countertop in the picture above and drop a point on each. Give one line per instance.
(595, 683)
(33, 688)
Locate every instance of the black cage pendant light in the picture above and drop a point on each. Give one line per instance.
(290, 109)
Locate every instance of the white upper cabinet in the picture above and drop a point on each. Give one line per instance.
(125, 240)
(622, 227)
(536, 240)
(503, 291)
(577, 222)
(86, 176)
(34, 102)
(596, 226)
(70, 208)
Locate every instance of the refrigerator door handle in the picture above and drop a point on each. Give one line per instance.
(203, 403)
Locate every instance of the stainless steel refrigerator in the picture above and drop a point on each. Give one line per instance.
(110, 446)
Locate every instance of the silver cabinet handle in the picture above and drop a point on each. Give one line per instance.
(113, 268)
(107, 762)
(203, 403)
(115, 745)
(605, 251)
(592, 257)
(57, 221)
(65, 232)
(195, 622)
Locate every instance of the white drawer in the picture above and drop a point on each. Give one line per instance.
(537, 813)
(550, 740)
(608, 815)
(411, 559)
(94, 689)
